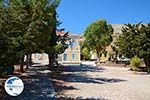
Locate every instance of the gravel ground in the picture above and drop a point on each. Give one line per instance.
(104, 83)
(37, 85)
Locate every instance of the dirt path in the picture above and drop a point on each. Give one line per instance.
(102, 83)
(38, 85)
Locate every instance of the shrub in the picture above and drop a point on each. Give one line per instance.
(135, 63)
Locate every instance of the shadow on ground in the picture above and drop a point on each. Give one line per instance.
(37, 85)
(77, 74)
(80, 98)
(82, 68)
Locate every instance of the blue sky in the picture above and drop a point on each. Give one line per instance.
(75, 15)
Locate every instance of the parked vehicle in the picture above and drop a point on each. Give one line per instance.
(123, 60)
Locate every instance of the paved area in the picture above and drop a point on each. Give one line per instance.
(38, 85)
(103, 83)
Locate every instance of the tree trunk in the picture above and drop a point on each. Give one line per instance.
(27, 61)
(30, 59)
(22, 63)
(115, 59)
(147, 63)
(50, 57)
(98, 55)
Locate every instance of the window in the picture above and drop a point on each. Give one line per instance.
(73, 56)
(65, 57)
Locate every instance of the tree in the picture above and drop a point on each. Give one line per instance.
(27, 26)
(135, 40)
(98, 36)
(85, 53)
(9, 32)
(22, 10)
(115, 54)
(41, 29)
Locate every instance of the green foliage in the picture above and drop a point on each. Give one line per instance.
(98, 36)
(8, 31)
(135, 40)
(40, 29)
(62, 44)
(135, 62)
(129, 41)
(85, 53)
(27, 26)
(2, 71)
